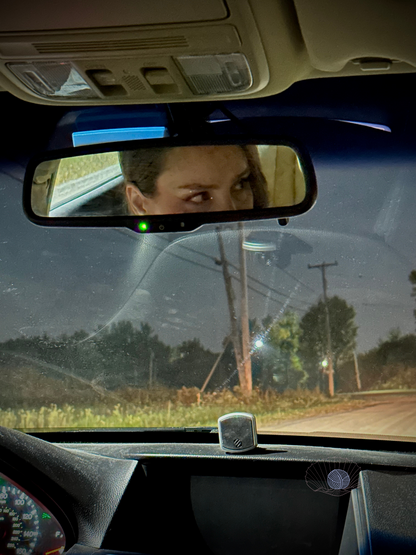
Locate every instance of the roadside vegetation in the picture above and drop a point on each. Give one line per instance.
(170, 408)
(126, 376)
(79, 166)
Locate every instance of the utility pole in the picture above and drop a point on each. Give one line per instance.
(357, 371)
(323, 268)
(152, 356)
(211, 372)
(245, 327)
(235, 338)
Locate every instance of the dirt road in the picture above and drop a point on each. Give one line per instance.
(392, 416)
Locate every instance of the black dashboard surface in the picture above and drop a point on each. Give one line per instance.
(189, 496)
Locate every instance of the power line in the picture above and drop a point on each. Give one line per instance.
(234, 277)
(272, 299)
(298, 280)
(284, 295)
(234, 266)
(213, 258)
(160, 249)
(251, 277)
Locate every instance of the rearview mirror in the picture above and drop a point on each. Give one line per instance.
(163, 185)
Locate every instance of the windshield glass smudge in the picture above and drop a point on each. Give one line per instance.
(311, 327)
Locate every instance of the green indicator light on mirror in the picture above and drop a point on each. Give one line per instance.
(143, 226)
(45, 515)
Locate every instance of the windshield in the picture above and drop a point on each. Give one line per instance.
(310, 326)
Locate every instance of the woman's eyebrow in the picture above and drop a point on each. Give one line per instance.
(241, 175)
(198, 186)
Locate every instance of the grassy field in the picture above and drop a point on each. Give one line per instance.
(181, 409)
(79, 166)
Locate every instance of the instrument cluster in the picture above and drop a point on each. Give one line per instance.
(27, 527)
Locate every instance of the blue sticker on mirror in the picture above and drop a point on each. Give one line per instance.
(98, 136)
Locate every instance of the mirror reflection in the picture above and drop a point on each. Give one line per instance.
(169, 180)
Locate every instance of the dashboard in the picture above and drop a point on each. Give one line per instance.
(158, 492)
(26, 525)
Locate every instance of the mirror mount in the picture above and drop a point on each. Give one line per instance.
(186, 120)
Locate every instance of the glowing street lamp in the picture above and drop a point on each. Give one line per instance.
(259, 343)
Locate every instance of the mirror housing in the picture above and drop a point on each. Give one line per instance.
(104, 185)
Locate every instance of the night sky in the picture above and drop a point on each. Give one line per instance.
(62, 280)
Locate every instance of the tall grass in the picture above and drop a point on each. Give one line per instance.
(79, 166)
(173, 408)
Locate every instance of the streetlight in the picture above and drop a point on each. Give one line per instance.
(259, 343)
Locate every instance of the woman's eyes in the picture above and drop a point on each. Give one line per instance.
(205, 196)
(243, 184)
(199, 198)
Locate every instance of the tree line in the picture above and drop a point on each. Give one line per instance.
(123, 355)
(287, 353)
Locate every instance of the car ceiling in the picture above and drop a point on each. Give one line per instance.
(283, 41)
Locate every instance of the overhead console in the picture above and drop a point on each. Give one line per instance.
(146, 51)
(131, 50)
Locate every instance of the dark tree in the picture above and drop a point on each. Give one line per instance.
(190, 364)
(131, 356)
(276, 363)
(313, 339)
